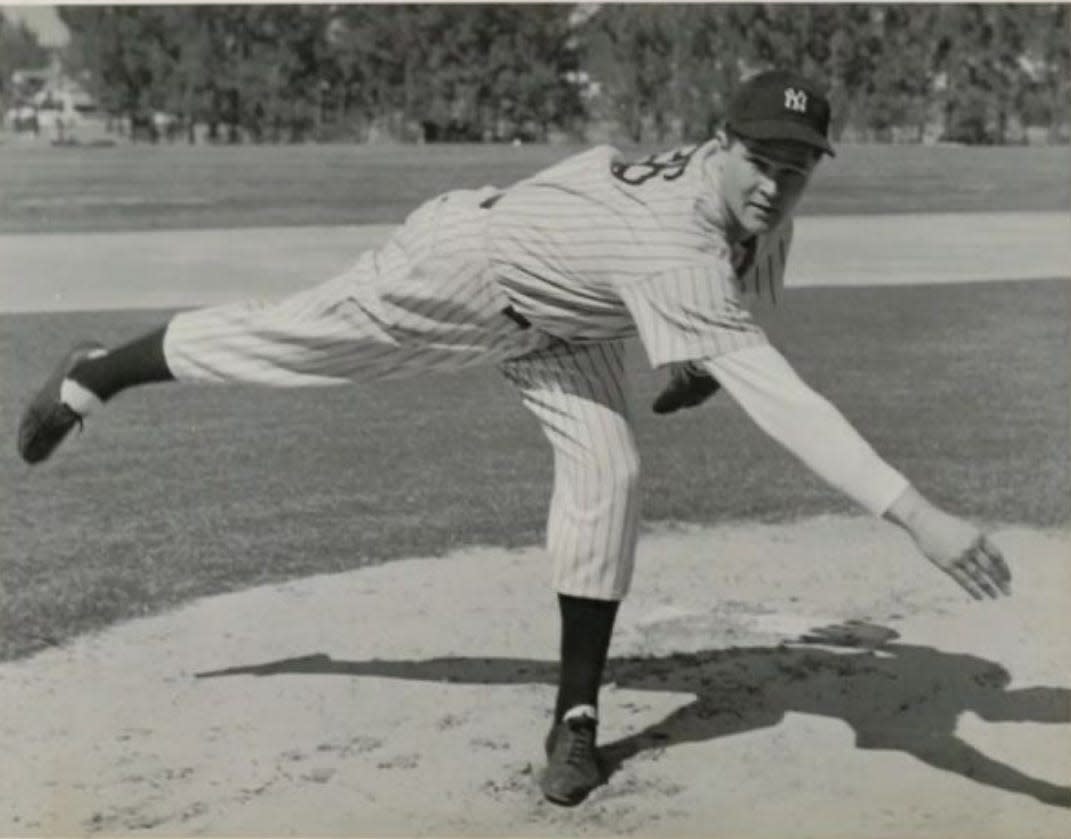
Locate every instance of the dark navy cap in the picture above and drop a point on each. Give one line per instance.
(781, 105)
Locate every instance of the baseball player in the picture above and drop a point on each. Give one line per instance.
(545, 279)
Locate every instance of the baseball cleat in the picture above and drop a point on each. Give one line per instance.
(47, 419)
(573, 768)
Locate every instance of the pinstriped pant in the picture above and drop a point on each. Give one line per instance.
(428, 300)
(579, 395)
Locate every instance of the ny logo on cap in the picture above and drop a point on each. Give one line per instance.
(795, 100)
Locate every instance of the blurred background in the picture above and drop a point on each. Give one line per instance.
(521, 73)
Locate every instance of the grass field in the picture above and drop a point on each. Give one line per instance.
(177, 493)
(180, 493)
(170, 187)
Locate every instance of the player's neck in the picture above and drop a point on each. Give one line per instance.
(727, 223)
(735, 234)
(715, 207)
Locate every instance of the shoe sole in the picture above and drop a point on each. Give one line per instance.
(50, 393)
(565, 801)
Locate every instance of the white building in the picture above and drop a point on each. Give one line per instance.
(54, 107)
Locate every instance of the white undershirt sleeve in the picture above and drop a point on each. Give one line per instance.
(807, 424)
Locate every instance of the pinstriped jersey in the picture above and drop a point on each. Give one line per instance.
(597, 248)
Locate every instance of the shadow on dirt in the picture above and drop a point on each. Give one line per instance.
(899, 697)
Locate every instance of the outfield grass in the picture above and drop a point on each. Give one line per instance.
(173, 187)
(180, 492)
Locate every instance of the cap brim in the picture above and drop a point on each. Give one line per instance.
(785, 130)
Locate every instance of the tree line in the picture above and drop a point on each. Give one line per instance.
(20, 49)
(281, 73)
(971, 69)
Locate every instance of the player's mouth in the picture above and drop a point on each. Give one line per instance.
(765, 212)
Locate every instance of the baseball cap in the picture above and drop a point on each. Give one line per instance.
(781, 105)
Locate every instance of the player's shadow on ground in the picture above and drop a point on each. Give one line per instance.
(900, 697)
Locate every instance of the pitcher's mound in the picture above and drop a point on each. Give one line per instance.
(808, 679)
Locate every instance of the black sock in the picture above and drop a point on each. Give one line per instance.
(137, 363)
(587, 626)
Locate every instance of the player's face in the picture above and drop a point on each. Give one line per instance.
(762, 181)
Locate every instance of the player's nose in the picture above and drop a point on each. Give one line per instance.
(769, 188)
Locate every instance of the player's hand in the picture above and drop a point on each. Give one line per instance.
(955, 546)
(966, 554)
(688, 386)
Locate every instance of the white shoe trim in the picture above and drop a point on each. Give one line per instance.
(79, 399)
(578, 711)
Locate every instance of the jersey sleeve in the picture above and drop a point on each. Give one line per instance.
(691, 312)
(808, 425)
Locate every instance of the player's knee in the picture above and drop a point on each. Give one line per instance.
(619, 472)
(630, 469)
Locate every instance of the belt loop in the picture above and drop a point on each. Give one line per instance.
(516, 317)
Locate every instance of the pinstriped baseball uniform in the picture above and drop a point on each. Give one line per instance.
(594, 251)
(546, 280)
(426, 300)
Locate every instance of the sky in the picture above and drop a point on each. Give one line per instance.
(41, 18)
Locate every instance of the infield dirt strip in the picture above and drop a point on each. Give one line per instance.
(81, 271)
(812, 679)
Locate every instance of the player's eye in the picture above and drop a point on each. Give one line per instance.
(760, 163)
(787, 170)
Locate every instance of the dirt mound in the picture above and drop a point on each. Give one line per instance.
(807, 679)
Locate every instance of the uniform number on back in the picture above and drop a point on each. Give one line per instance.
(668, 165)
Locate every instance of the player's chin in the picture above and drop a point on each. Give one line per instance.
(759, 220)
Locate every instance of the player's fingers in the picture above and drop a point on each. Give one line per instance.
(979, 576)
(959, 574)
(996, 560)
(991, 569)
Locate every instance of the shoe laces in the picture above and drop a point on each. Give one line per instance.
(581, 743)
